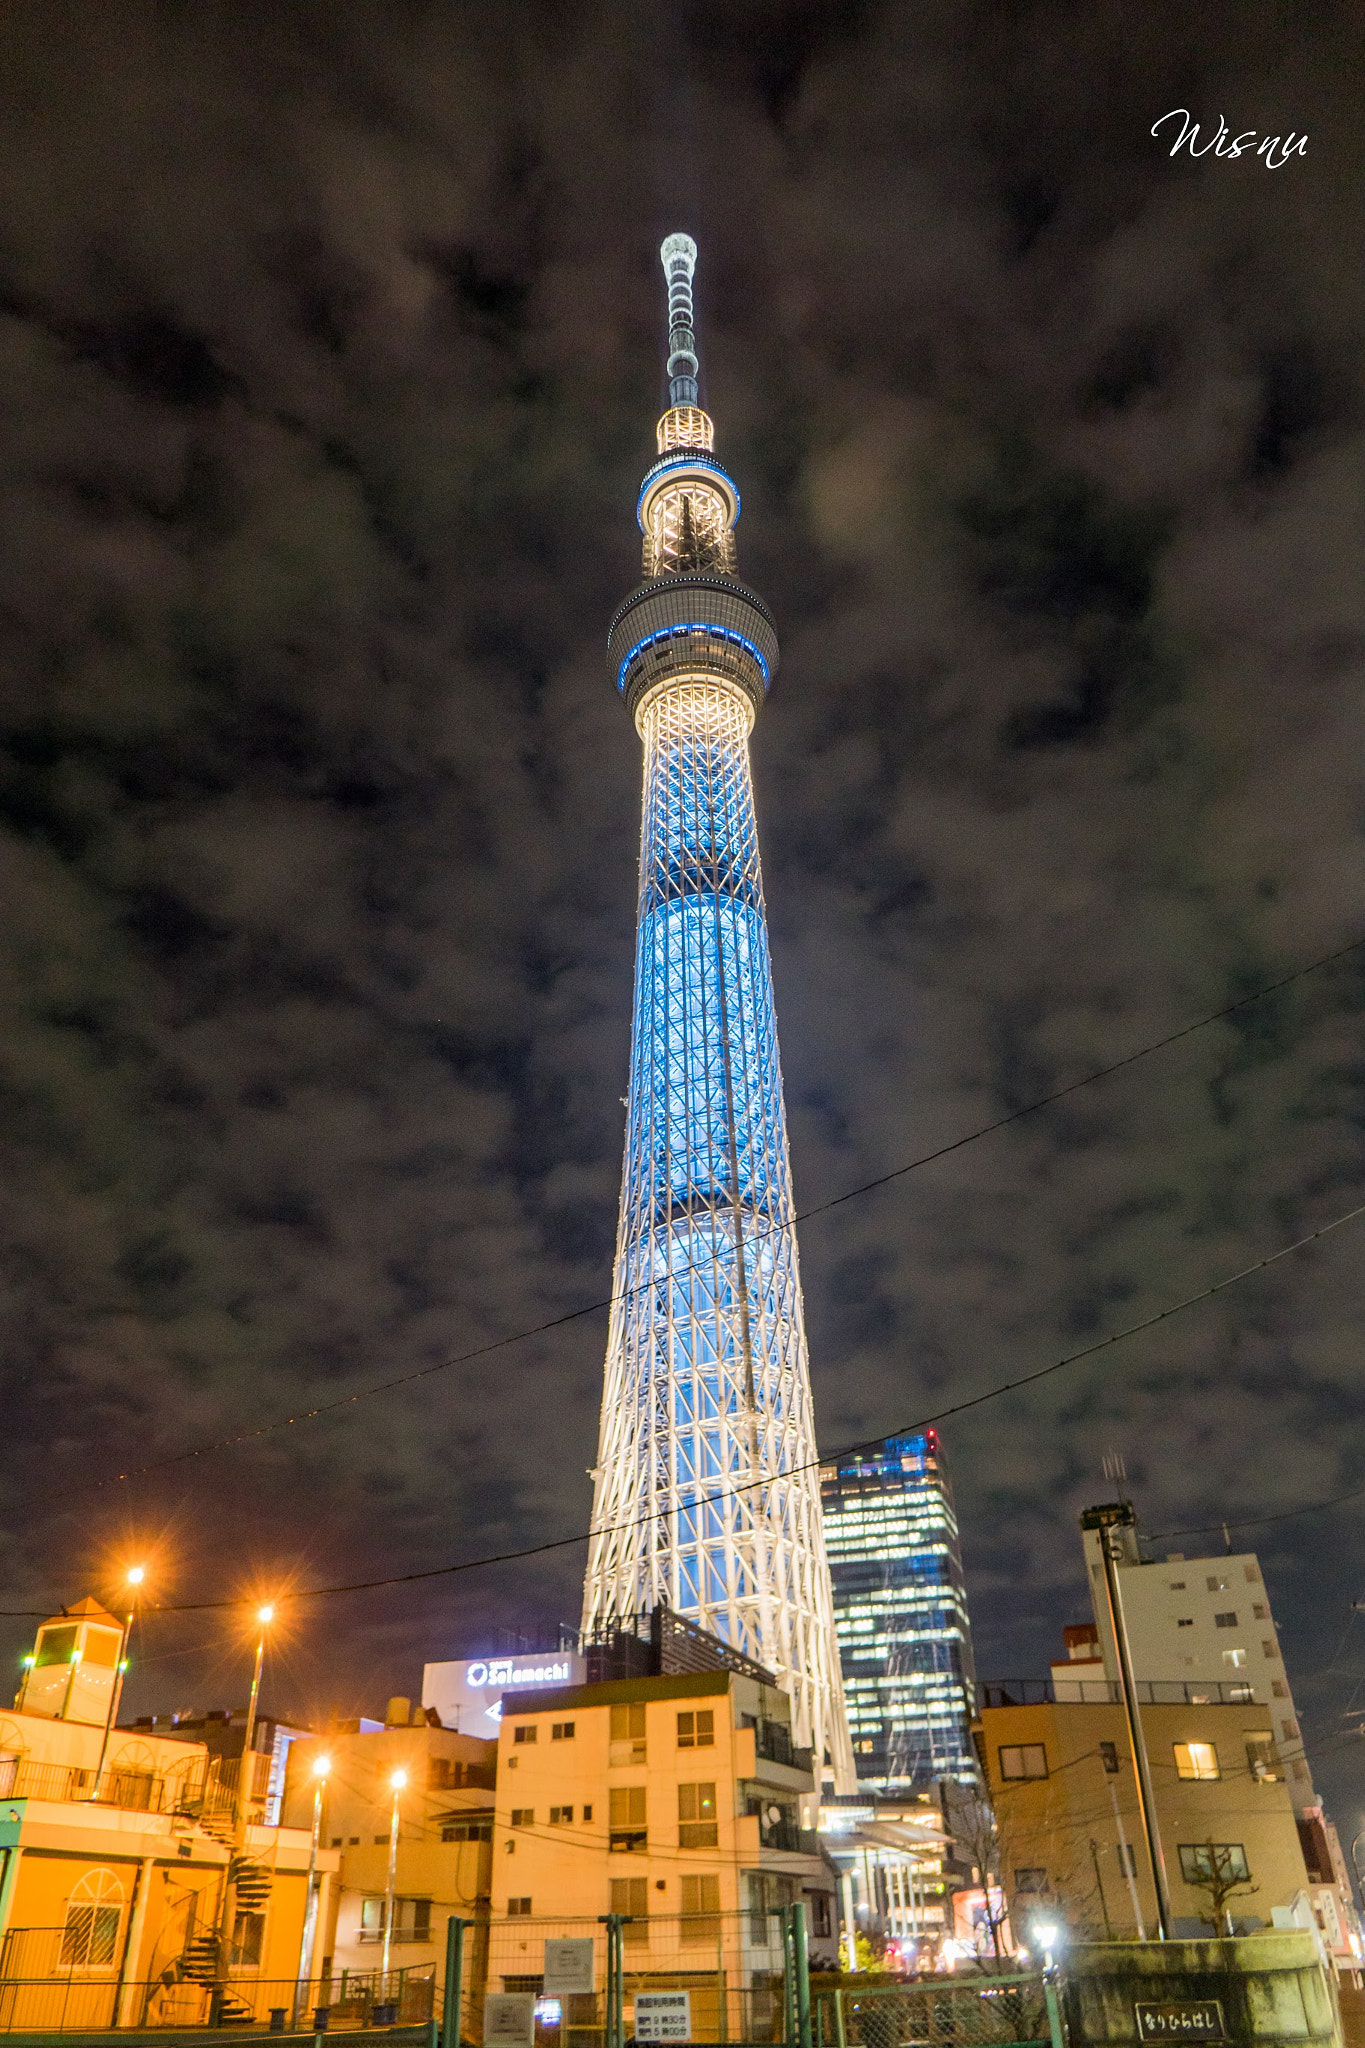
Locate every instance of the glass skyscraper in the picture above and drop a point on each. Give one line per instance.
(900, 1613)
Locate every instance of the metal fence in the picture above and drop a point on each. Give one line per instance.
(939, 2012)
(77, 2001)
(737, 1969)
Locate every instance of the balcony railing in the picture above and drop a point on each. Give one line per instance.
(1099, 1692)
(772, 1739)
(195, 1792)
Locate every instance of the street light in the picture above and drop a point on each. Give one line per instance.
(1047, 1934)
(397, 1781)
(321, 1766)
(241, 1817)
(134, 1577)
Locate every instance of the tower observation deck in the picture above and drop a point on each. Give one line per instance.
(707, 1491)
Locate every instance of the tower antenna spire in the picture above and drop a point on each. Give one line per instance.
(678, 254)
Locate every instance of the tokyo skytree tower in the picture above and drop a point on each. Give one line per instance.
(707, 1494)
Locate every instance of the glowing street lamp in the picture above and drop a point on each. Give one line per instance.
(397, 1781)
(133, 1578)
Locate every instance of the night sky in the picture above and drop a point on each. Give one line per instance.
(330, 353)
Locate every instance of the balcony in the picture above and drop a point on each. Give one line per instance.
(133, 1791)
(773, 1740)
(767, 1752)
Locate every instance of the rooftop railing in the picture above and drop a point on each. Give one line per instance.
(1099, 1692)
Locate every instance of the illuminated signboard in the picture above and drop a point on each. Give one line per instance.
(467, 1694)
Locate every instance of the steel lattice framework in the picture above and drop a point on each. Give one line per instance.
(707, 1493)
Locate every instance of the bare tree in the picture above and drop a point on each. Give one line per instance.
(972, 1825)
(1219, 1868)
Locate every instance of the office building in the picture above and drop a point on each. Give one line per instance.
(900, 1611)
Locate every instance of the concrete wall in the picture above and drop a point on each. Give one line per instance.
(1276, 1990)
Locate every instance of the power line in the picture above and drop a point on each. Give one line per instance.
(1316, 1507)
(608, 1301)
(1027, 1379)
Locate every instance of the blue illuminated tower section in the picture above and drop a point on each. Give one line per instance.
(707, 1496)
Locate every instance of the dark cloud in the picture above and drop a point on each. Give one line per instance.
(328, 359)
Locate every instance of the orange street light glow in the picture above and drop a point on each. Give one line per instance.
(266, 1614)
(399, 1780)
(137, 1574)
(321, 1766)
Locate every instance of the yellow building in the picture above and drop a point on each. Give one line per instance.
(676, 1800)
(444, 1851)
(1060, 1776)
(114, 1849)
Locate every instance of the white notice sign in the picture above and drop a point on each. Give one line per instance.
(568, 1966)
(509, 2019)
(663, 2016)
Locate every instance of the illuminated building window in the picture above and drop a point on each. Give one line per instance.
(1196, 1760)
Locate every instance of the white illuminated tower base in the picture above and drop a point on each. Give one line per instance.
(707, 1491)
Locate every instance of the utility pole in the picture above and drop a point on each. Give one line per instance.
(1107, 1521)
(135, 1577)
(397, 1782)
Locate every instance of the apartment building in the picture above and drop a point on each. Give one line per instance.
(674, 1799)
(439, 1787)
(115, 1850)
(1061, 1781)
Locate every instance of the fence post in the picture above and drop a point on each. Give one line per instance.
(801, 1973)
(454, 1988)
(616, 1990)
(840, 2037)
(1054, 2009)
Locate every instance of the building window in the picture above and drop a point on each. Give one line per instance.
(468, 1831)
(1109, 1757)
(1267, 1646)
(1184, 1621)
(628, 1831)
(93, 1913)
(1177, 1585)
(697, 1730)
(1263, 1759)
(1213, 1859)
(1277, 1688)
(523, 1816)
(1031, 1879)
(821, 1917)
(336, 1841)
(627, 1732)
(697, 1817)
(1252, 1575)
(561, 1731)
(1023, 1760)
(1259, 1611)
(1290, 1730)
(518, 1909)
(1196, 1760)
(587, 1813)
(1216, 1585)
(372, 1918)
(1234, 1659)
(1228, 1620)
(630, 1898)
(701, 1909)
(525, 1731)
(248, 1940)
(561, 1816)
